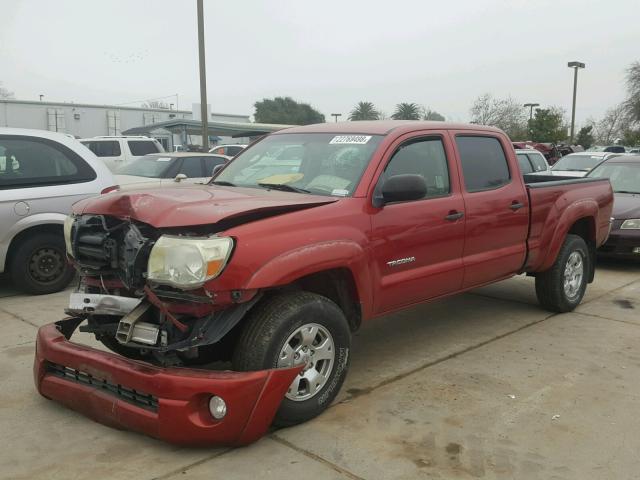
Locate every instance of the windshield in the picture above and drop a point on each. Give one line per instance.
(151, 166)
(624, 177)
(577, 163)
(318, 163)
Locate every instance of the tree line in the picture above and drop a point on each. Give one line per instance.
(287, 111)
(620, 123)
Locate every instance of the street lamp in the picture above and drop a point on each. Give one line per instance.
(575, 66)
(203, 79)
(336, 115)
(531, 107)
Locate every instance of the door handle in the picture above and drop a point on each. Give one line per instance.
(454, 215)
(515, 205)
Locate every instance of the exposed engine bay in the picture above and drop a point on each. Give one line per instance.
(135, 318)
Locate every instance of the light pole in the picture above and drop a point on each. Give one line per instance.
(203, 80)
(531, 107)
(575, 66)
(336, 115)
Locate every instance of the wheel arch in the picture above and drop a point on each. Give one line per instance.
(47, 226)
(338, 270)
(578, 219)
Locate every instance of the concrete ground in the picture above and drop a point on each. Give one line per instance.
(483, 385)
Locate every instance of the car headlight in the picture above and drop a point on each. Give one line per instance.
(187, 262)
(631, 224)
(68, 225)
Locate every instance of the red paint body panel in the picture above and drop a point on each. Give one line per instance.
(194, 204)
(182, 416)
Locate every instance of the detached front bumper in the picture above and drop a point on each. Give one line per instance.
(171, 404)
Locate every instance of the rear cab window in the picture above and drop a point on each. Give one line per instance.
(142, 147)
(484, 163)
(32, 162)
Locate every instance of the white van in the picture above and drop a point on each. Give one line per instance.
(41, 175)
(118, 151)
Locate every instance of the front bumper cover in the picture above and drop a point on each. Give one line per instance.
(170, 404)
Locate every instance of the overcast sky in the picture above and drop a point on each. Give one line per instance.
(328, 53)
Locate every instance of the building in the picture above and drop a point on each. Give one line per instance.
(87, 120)
(177, 133)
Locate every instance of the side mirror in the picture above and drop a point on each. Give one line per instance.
(180, 177)
(401, 188)
(216, 169)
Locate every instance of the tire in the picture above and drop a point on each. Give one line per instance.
(551, 290)
(279, 322)
(39, 264)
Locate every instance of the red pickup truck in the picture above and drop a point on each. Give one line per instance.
(230, 306)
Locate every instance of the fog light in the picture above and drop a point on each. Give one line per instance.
(217, 407)
(636, 250)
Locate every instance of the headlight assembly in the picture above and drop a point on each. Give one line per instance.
(631, 224)
(188, 262)
(68, 225)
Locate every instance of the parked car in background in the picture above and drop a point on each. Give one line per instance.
(549, 150)
(579, 164)
(532, 161)
(624, 174)
(228, 150)
(615, 149)
(634, 150)
(41, 175)
(118, 151)
(164, 169)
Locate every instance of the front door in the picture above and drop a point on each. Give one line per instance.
(417, 245)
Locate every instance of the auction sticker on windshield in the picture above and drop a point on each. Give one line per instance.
(350, 139)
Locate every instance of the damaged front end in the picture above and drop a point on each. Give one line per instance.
(143, 317)
(157, 328)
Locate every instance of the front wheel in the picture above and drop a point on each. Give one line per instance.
(562, 287)
(298, 328)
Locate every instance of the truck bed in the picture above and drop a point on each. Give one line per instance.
(549, 197)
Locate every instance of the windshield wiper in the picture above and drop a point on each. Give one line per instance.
(222, 183)
(283, 187)
(626, 191)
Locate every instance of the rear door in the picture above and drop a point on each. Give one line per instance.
(417, 245)
(496, 208)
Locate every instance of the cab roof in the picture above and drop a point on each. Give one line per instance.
(383, 127)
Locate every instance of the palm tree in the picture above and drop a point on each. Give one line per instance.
(406, 111)
(364, 111)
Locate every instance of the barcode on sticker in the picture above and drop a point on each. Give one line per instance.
(350, 139)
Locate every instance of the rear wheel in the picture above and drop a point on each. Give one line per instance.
(39, 264)
(298, 328)
(562, 287)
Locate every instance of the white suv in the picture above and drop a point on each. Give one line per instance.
(41, 175)
(118, 151)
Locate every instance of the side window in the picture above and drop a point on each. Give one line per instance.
(142, 147)
(107, 148)
(191, 167)
(210, 162)
(424, 157)
(523, 161)
(538, 162)
(233, 151)
(484, 164)
(31, 162)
